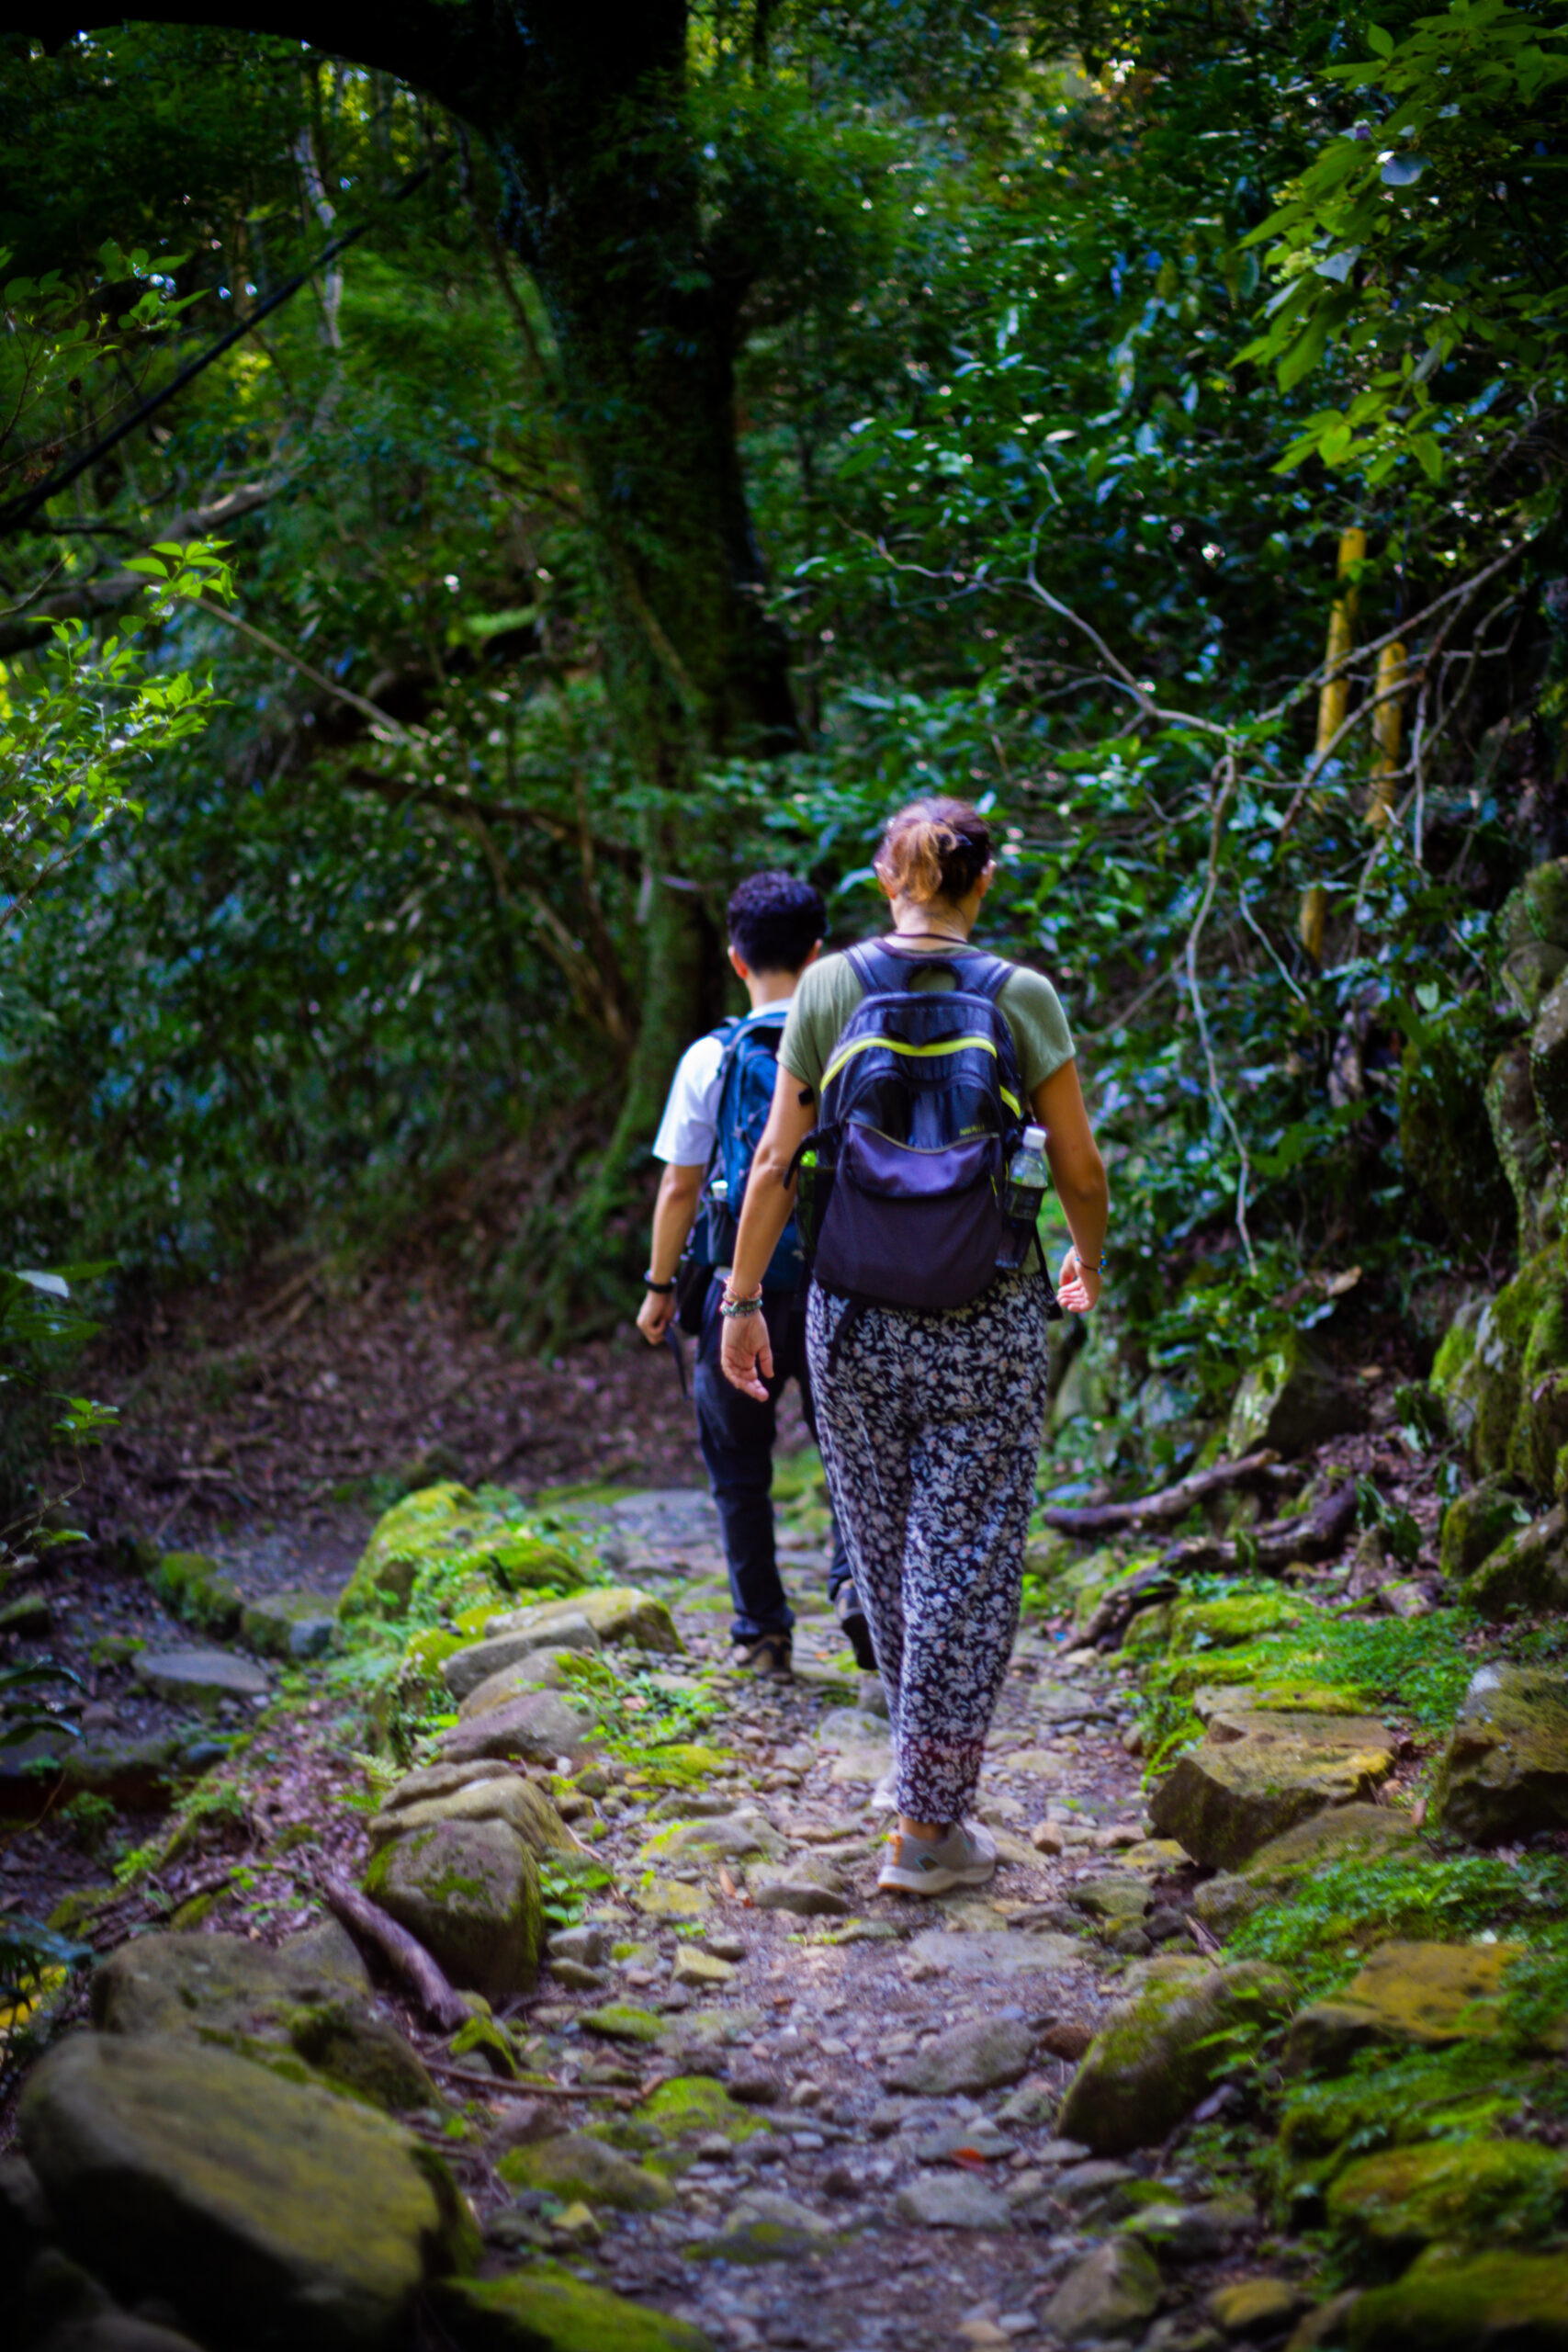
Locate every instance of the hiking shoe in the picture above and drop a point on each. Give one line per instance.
(962, 1856)
(855, 1628)
(770, 1654)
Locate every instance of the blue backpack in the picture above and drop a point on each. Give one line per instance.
(904, 1179)
(746, 1079)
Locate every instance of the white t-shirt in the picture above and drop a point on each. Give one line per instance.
(686, 1132)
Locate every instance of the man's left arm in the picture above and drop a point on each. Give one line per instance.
(674, 1212)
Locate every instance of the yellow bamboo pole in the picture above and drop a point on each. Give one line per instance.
(1387, 728)
(1333, 702)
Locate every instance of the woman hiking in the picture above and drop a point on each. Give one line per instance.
(908, 1064)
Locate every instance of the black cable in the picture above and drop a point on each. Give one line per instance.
(17, 514)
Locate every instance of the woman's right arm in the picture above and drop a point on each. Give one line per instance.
(1079, 1173)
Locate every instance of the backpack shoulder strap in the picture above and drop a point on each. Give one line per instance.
(985, 976)
(877, 967)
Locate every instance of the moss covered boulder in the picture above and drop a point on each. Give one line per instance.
(547, 2308)
(1450, 2192)
(535, 1727)
(1477, 1521)
(1523, 1146)
(1374, 1832)
(482, 1662)
(1528, 1571)
(194, 1588)
(574, 2164)
(469, 1890)
(1289, 1400)
(1549, 1060)
(521, 1803)
(1256, 1777)
(268, 2212)
(1157, 2053)
(1408, 1997)
(289, 1624)
(1503, 1377)
(1451, 2301)
(619, 1614)
(445, 1533)
(1233, 1618)
(1505, 1771)
(308, 1999)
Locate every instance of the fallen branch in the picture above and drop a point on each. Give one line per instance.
(491, 2082)
(407, 1956)
(1171, 1502)
(1270, 1548)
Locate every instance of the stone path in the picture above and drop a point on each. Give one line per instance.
(742, 2100)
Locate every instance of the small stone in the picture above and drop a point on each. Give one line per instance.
(754, 2089)
(700, 1970)
(537, 1728)
(1047, 1838)
(589, 1945)
(1190, 2233)
(1093, 2191)
(1257, 2306)
(980, 2056)
(289, 1624)
(575, 1978)
(979, 2138)
(619, 2021)
(573, 2164)
(1326, 2327)
(469, 1890)
(806, 1887)
(725, 1946)
(1112, 2292)
(1118, 1897)
(952, 2201)
(671, 1900)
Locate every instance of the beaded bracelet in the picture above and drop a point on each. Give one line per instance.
(737, 1307)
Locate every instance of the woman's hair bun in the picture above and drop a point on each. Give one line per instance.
(934, 849)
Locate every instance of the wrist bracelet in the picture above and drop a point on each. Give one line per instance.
(738, 1307)
(663, 1289)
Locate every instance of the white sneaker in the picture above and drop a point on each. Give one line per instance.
(964, 1856)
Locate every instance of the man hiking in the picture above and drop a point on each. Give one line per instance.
(717, 1108)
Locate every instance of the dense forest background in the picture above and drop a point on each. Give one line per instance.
(1145, 420)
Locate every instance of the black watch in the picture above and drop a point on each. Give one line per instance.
(663, 1289)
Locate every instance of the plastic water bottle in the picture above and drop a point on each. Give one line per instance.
(1027, 1178)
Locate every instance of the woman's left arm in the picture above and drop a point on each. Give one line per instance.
(746, 1356)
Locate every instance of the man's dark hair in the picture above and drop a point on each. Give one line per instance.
(776, 921)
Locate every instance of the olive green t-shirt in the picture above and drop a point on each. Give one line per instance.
(828, 992)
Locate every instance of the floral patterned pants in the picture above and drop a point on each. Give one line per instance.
(929, 1428)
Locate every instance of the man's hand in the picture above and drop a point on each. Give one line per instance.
(1077, 1286)
(654, 1315)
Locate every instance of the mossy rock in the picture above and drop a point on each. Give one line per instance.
(1451, 2301)
(1523, 1146)
(694, 2106)
(1476, 1522)
(577, 2165)
(1450, 2192)
(1291, 1400)
(439, 1523)
(1048, 1555)
(1256, 1777)
(547, 2308)
(1537, 909)
(1236, 1618)
(1407, 1996)
(1164, 2047)
(622, 2021)
(507, 1797)
(1528, 1570)
(1505, 1771)
(310, 1996)
(616, 1613)
(276, 2212)
(194, 1586)
(1502, 1375)
(1549, 1060)
(469, 1890)
(1373, 1831)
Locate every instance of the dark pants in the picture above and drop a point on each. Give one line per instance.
(737, 1437)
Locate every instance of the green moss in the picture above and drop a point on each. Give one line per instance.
(1454, 2192)
(694, 2105)
(1238, 1617)
(545, 2309)
(1476, 1522)
(619, 2021)
(1454, 2302)
(682, 1765)
(196, 1588)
